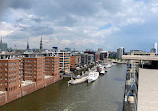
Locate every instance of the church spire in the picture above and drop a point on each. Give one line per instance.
(41, 45)
(27, 45)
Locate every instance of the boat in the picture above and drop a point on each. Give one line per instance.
(113, 63)
(108, 65)
(78, 81)
(93, 75)
(102, 70)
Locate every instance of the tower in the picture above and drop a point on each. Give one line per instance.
(41, 46)
(1, 39)
(27, 45)
(155, 46)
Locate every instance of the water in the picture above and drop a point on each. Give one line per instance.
(104, 94)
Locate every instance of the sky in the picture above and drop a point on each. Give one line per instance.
(80, 24)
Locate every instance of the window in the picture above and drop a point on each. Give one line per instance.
(5, 69)
(5, 63)
(6, 74)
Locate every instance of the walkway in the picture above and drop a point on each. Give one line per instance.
(148, 90)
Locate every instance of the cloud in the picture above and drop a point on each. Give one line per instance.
(78, 23)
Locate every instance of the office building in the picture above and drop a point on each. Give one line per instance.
(120, 52)
(64, 60)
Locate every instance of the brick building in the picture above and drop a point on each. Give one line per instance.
(9, 74)
(34, 70)
(72, 62)
(21, 69)
(97, 57)
(75, 61)
(52, 66)
(9, 78)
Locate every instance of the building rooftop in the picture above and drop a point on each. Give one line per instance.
(47, 76)
(147, 90)
(140, 57)
(1, 92)
(25, 83)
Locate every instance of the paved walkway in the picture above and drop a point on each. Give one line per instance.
(148, 90)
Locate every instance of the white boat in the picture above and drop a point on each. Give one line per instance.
(78, 81)
(92, 76)
(102, 70)
(108, 65)
(113, 63)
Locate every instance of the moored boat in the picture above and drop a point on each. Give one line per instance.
(102, 70)
(78, 81)
(92, 76)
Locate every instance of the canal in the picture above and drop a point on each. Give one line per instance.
(104, 94)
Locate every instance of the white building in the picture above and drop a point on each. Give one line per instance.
(155, 46)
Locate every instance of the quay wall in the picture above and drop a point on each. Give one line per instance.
(40, 85)
(49, 81)
(3, 98)
(25, 90)
(13, 95)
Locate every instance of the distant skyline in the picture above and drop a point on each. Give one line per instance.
(80, 24)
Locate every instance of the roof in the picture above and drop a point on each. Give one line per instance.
(147, 90)
(140, 57)
(25, 83)
(1, 92)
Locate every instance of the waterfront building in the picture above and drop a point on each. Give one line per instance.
(3, 46)
(72, 62)
(103, 55)
(84, 59)
(52, 66)
(97, 57)
(75, 61)
(9, 79)
(120, 52)
(34, 69)
(112, 55)
(64, 60)
(91, 58)
(21, 69)
(9, 74)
